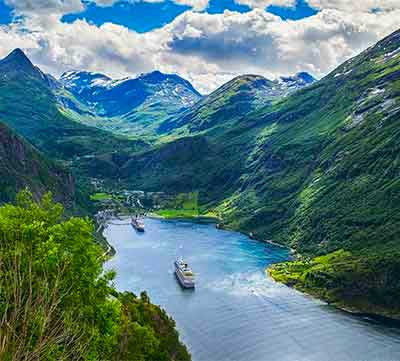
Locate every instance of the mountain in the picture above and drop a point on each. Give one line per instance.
(129, 105)
(296, 82)
(233, 100)
(316, 170)
(41, 249)
(22, 166)
(29, 106)
(17, 62)
(312, 167)
(157, 103)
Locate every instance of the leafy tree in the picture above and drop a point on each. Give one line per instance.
(56, 301)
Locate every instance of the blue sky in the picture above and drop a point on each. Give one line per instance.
(5, 13)
(207, 42)
(143, 16)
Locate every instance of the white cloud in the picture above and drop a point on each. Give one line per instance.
(41, 7)
(353, 6)
(197, 5)
(61, 7)
(206, 49)
(262, 43)
(263, 4)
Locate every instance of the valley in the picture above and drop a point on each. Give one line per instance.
(311, 165)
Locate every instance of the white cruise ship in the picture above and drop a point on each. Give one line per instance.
(184, 274)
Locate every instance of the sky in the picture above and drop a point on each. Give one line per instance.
(207, 42)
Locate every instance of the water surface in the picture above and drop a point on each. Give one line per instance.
(236, 312)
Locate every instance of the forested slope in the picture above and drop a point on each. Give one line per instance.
(317, 170)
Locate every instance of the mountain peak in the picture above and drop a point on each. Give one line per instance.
(157, 76)
(17, 57)
(17, 63)
(246, 81)
(306, 77)
(18, 53)
(82, 74)
(303, 77)
(117, 97)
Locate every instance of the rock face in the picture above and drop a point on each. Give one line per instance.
(298, 81)
(22, 166)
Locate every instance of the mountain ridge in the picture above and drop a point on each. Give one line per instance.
(29, 105)
(128, 105)
(315, 170)
(151, 103)
(234, 99)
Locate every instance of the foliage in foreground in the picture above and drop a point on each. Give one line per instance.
(368, 283)
(57, 303)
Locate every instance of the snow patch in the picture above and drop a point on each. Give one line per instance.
(353, 121)
(376, 91)
(392, 54)
(343, 74)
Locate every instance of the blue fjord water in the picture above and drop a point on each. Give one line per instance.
(236, 312)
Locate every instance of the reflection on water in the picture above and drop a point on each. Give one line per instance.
(236, 312)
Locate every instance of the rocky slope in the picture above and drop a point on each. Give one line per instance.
(22, 166)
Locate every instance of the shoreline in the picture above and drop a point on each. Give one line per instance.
(109, 250)
(278, 245)
(377, 317)
(220, 226)
(196, 219)
(348, 309)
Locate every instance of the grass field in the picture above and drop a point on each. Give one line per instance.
(178, 213)
(100, 196)
(185, 205)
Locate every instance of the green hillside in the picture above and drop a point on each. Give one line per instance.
(29, 106)
(316, 170)
(231, 102)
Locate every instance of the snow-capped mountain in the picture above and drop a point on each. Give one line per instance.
(109, 97)
(298, 81)
(138, 105)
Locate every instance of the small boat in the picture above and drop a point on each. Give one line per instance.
(137, 224)
(184, 274)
